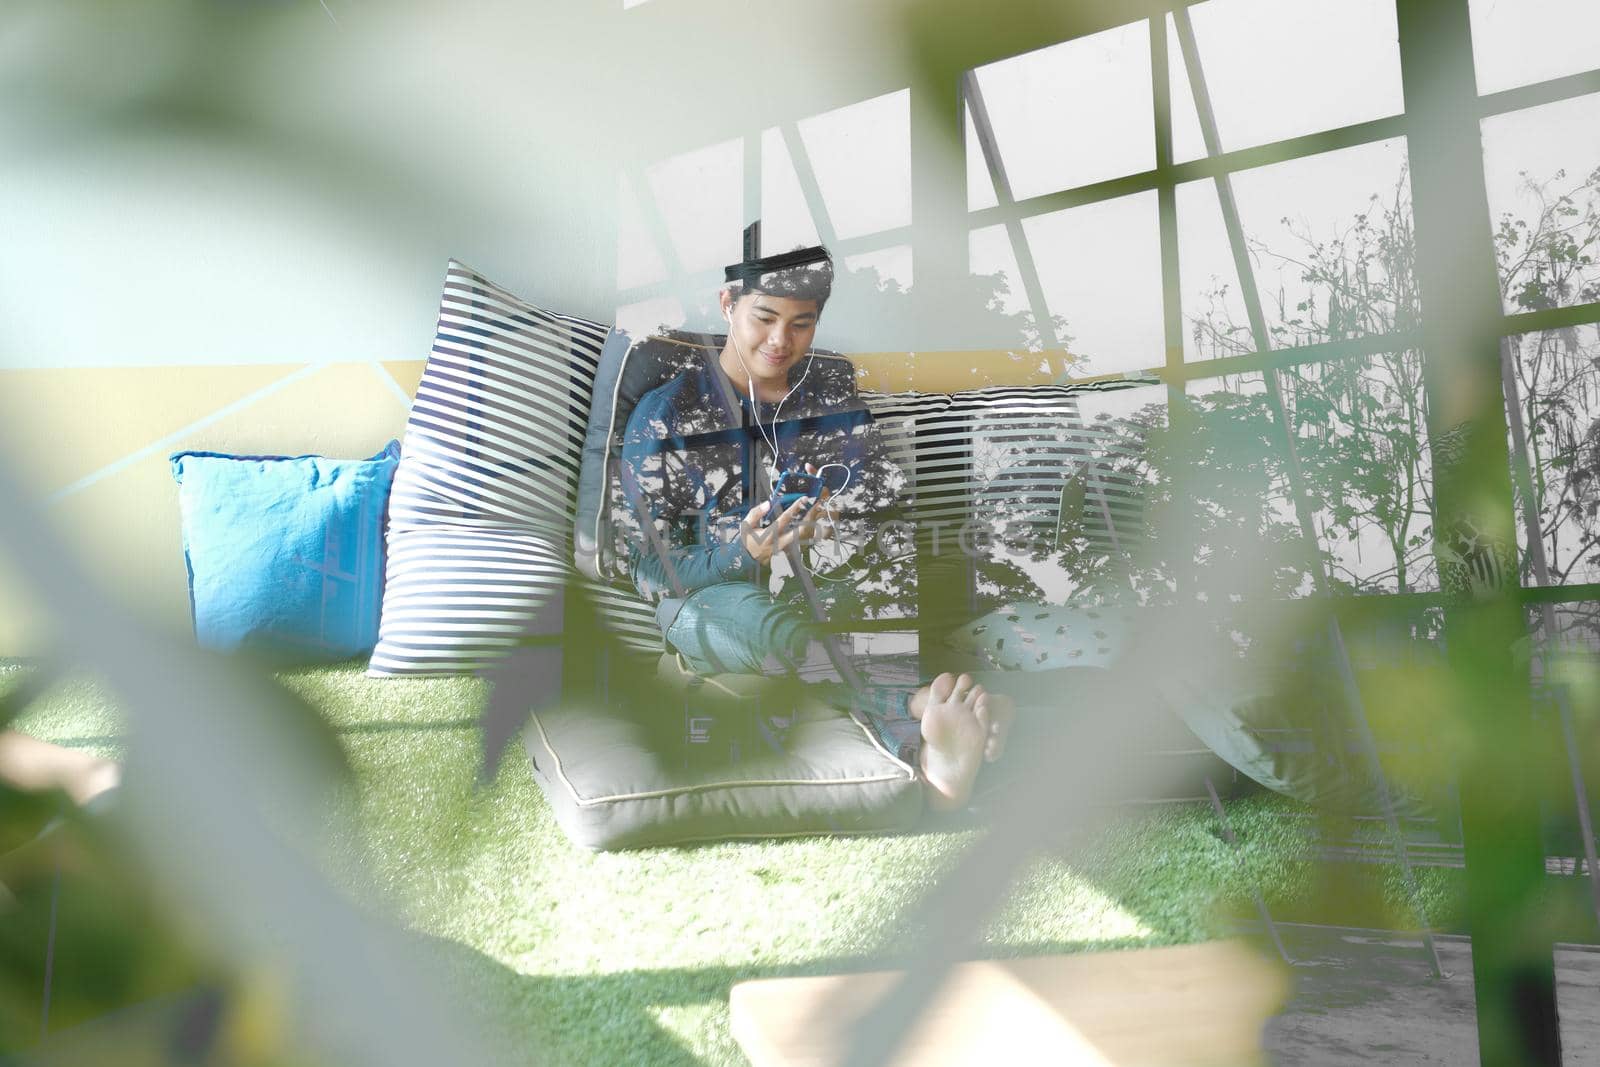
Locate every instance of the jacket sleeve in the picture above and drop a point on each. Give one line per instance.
(673, 551)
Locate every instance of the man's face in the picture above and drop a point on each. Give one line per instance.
(773, 332)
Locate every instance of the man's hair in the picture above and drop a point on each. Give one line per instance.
(808, 281)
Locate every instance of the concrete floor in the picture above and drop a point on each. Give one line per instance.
(1367, 997)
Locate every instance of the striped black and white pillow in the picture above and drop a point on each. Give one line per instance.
(480, 516)
(990, 452)
(628, 617)
(1008, 454)
(457, 598)
(495, 432)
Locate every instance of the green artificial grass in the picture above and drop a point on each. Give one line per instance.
(620, 958)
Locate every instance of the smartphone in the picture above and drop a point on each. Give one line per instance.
(791, 486)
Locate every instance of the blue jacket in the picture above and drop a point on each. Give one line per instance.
(688, 463)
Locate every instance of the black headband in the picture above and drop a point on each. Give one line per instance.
(751, 271)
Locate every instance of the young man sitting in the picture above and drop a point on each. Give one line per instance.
(700, 454)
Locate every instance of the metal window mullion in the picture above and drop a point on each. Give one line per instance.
(1172, 329)
(850, 246)
(1284, 358)
(1353, 136)
(1167, 213)
(1545, 92)
(972, 96)
(1513, 955)
(1552, 319)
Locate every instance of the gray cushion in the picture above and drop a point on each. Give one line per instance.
(702, 772)
(1042, 637)
(1251, 726)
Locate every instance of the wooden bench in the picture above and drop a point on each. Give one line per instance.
(1188, 1004)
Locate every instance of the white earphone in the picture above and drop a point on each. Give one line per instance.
(750, 383)
(772, 471)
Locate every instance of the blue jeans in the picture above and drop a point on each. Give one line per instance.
(736, 628)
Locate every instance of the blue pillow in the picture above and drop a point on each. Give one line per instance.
(285, 553)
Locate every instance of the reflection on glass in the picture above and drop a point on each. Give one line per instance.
(1062, 481)
(786, 220)
(1542, 169)
(651, 316)
(639, 261)
(1360, 441)
(889, 269)
(1227, 461)
(1574, 630)
(1282, 68)
(700, 197)
(990, 255)
(1100, 269)
(980, 186)
(861, 156)
(1330, 243)
(1106, 505)
(1532, 40)
(1555, 397)
(829, 179)
(1067, 115)
(1563, 658)
(1021, 461)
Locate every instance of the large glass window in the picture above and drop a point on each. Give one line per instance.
(1515, 44)
(1327, 237)
(1277, 69)
(1221, 195)
(1098, 269)
(1328, 240)
(1067, 279)
(861, 156)
(841, 178)
(1542, 169)
(1553, 396)
(1064, 116)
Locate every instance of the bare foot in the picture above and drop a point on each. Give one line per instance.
(104, 774)
(953, 740)
(32, 764)
(995, 711)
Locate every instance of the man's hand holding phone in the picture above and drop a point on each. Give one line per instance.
(796, 523)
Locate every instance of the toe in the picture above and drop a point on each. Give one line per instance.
(942, 687)
(997, 714)
(991, 732)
